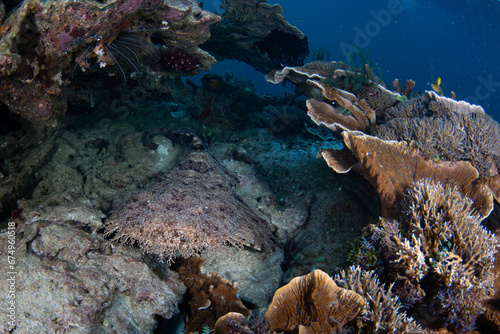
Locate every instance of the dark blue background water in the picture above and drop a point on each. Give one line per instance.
(407, 39)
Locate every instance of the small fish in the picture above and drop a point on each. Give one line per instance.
(4, 29)
(437, 86)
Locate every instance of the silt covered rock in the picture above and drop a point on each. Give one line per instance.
(67, 280)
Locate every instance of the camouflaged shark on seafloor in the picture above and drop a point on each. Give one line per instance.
(193, 207)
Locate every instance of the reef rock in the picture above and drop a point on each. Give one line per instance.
(256, 33)
(44, 42)
(258, 274)
(64, 279)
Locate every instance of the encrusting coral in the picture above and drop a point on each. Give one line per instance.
(193, 207)
(312, 304)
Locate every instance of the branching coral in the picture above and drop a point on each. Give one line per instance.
(443, 241)
(446, 231)
(447, 130)
(381, 313)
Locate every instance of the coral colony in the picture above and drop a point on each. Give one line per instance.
(126, 221)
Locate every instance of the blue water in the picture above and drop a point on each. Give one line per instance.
(458, 41)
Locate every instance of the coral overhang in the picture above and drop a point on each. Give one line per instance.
(41, 42)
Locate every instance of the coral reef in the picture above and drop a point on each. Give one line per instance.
(256, 33)
(328, 76)
(443, 128)
(361, 116)
(210, 296)
(45, 39)
(191, 208)
(435, 134)
(382, 311)
(258, 273)
(392, 167)
(446, 129)
(312, 304)
(69, 280)
(443, 242)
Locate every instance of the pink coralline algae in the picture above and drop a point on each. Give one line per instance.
(42, 43)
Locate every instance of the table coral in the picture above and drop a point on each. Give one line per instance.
(343, 96)
(392, 167)
(193, 207)
(361, 117)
